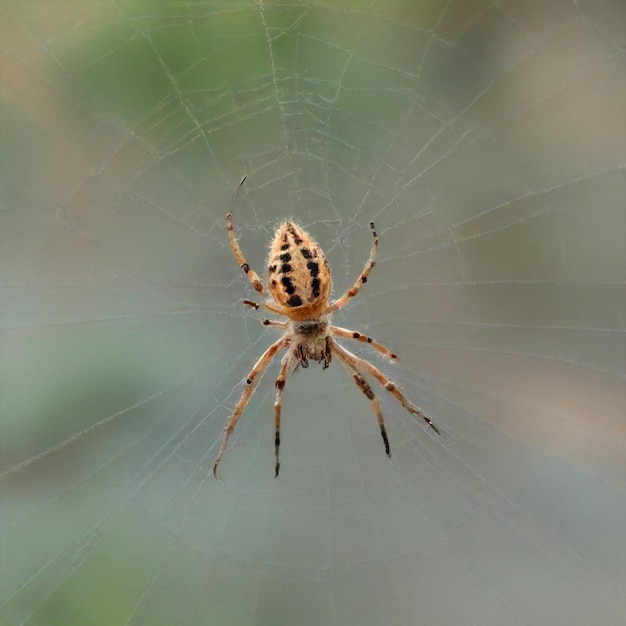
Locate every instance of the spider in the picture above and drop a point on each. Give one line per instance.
(300, 283)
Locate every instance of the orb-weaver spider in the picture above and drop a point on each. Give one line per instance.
(299, 284)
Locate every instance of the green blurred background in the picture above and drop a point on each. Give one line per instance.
(488, 142)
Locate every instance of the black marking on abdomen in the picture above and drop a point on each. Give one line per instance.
(306, 253)
(285, 257)
(288, 285)
(315, 287)
(294, 301)
(285, 268)
(313, 268)
(271, 269)
(285, 246)
(296, 238)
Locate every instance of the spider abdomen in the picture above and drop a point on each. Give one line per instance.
(299, 276)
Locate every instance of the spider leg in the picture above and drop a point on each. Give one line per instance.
(254, 279)
(355, 361)
(278, 404)
(352, 334)
(276, 323)
(369, 394)
(255, 373)
(340, 302)
(265, 305)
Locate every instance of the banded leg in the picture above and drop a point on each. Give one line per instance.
(353, 334)
(255, 372)
(255, 281)
(363, 385)
(357, 362)
(278, 405)
(340, 302)
(265, 305)
(276, 323)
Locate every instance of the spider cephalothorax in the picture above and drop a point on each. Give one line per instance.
(300, 283)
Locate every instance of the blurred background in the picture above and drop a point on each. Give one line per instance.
(487, 140)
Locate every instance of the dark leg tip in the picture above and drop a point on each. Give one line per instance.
(383, 432)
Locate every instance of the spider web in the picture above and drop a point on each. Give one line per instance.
(487, 142)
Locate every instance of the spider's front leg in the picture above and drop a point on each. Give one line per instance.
(340, 302)
(253, 277)
(255, 373)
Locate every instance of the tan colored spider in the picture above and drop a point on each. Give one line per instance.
(299, 283)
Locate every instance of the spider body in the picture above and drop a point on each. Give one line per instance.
(299, 281)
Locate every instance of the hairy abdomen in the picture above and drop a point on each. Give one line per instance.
(299, 276)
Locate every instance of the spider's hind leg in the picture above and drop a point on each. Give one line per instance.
(371, 396)
(356, 362)
(363, 385)
(253, 376)
(278, 405)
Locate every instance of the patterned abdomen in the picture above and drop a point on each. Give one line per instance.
(299, 277)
